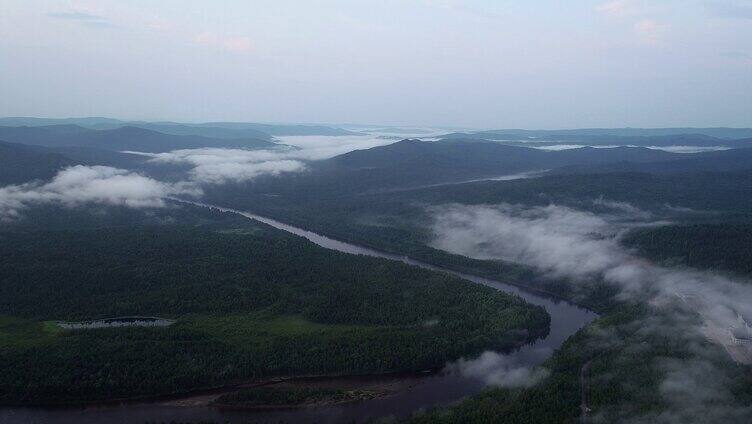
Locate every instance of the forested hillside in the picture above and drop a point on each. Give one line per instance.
(249, 302)
(719, 247)
(19, 164)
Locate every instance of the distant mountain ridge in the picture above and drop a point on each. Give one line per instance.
(122, 138)
(413, 163)
(281, 129)
(605, 134)
(479, 155)
(209, 129)
(735, 160)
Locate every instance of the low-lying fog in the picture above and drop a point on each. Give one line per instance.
(559, 241)
(582, 247)
(106, 185)
(670, 149)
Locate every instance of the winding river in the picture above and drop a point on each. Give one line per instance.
(418, 392)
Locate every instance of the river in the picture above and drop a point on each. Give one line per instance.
(420, 392)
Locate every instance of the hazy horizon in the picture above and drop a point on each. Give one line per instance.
(356, 125)
(426, 63)
(366, 125)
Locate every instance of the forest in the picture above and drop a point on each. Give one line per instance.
(627, 364)
(718, 247)
(249, 301)
(626, 378)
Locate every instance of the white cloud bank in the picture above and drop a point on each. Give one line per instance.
(500, 370)
(583, 246)
(90, 184)
(231, 44)
(101, 184)
(219, 166)
(671, 149)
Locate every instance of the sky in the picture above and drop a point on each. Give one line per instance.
(469, 64)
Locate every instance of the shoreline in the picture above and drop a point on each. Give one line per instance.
(203, 396)
(218, 390)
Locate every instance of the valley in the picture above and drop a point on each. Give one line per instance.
(360, 277)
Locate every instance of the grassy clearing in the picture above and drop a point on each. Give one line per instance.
(235, 330)
(244, 328)
(18, 333)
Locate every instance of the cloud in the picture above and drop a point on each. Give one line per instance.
(324, 147)
(101, 184)
(458, 6)
(688, 149)
(77, 16)
(617, 8)
(159, 24)
(90, 184)
(237, 44)
(206, 38)
(645, 28)
(231, 44)
(693, 386)
(442, 4)
(582, 246)
(691, 306)
(85, 18)
(556, 240)
(730, 9)
(736, 54)
(738, 57)
(219, 166)
(499, 370)
(649, 31)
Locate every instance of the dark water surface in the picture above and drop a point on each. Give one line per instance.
(424, 392)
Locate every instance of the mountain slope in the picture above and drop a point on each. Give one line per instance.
(19, 163)
(722, 161)
(415, 163)
(471, 158)
(204, 131)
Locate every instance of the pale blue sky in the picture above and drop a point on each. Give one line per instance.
(475, 63)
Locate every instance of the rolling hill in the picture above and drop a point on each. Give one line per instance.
(19, 163)
(722, 161)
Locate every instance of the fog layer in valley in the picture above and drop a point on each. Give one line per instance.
(106, 185)
(670, 149)
(580, 246)
(91, 184)
(204, 166)
(217, 166)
